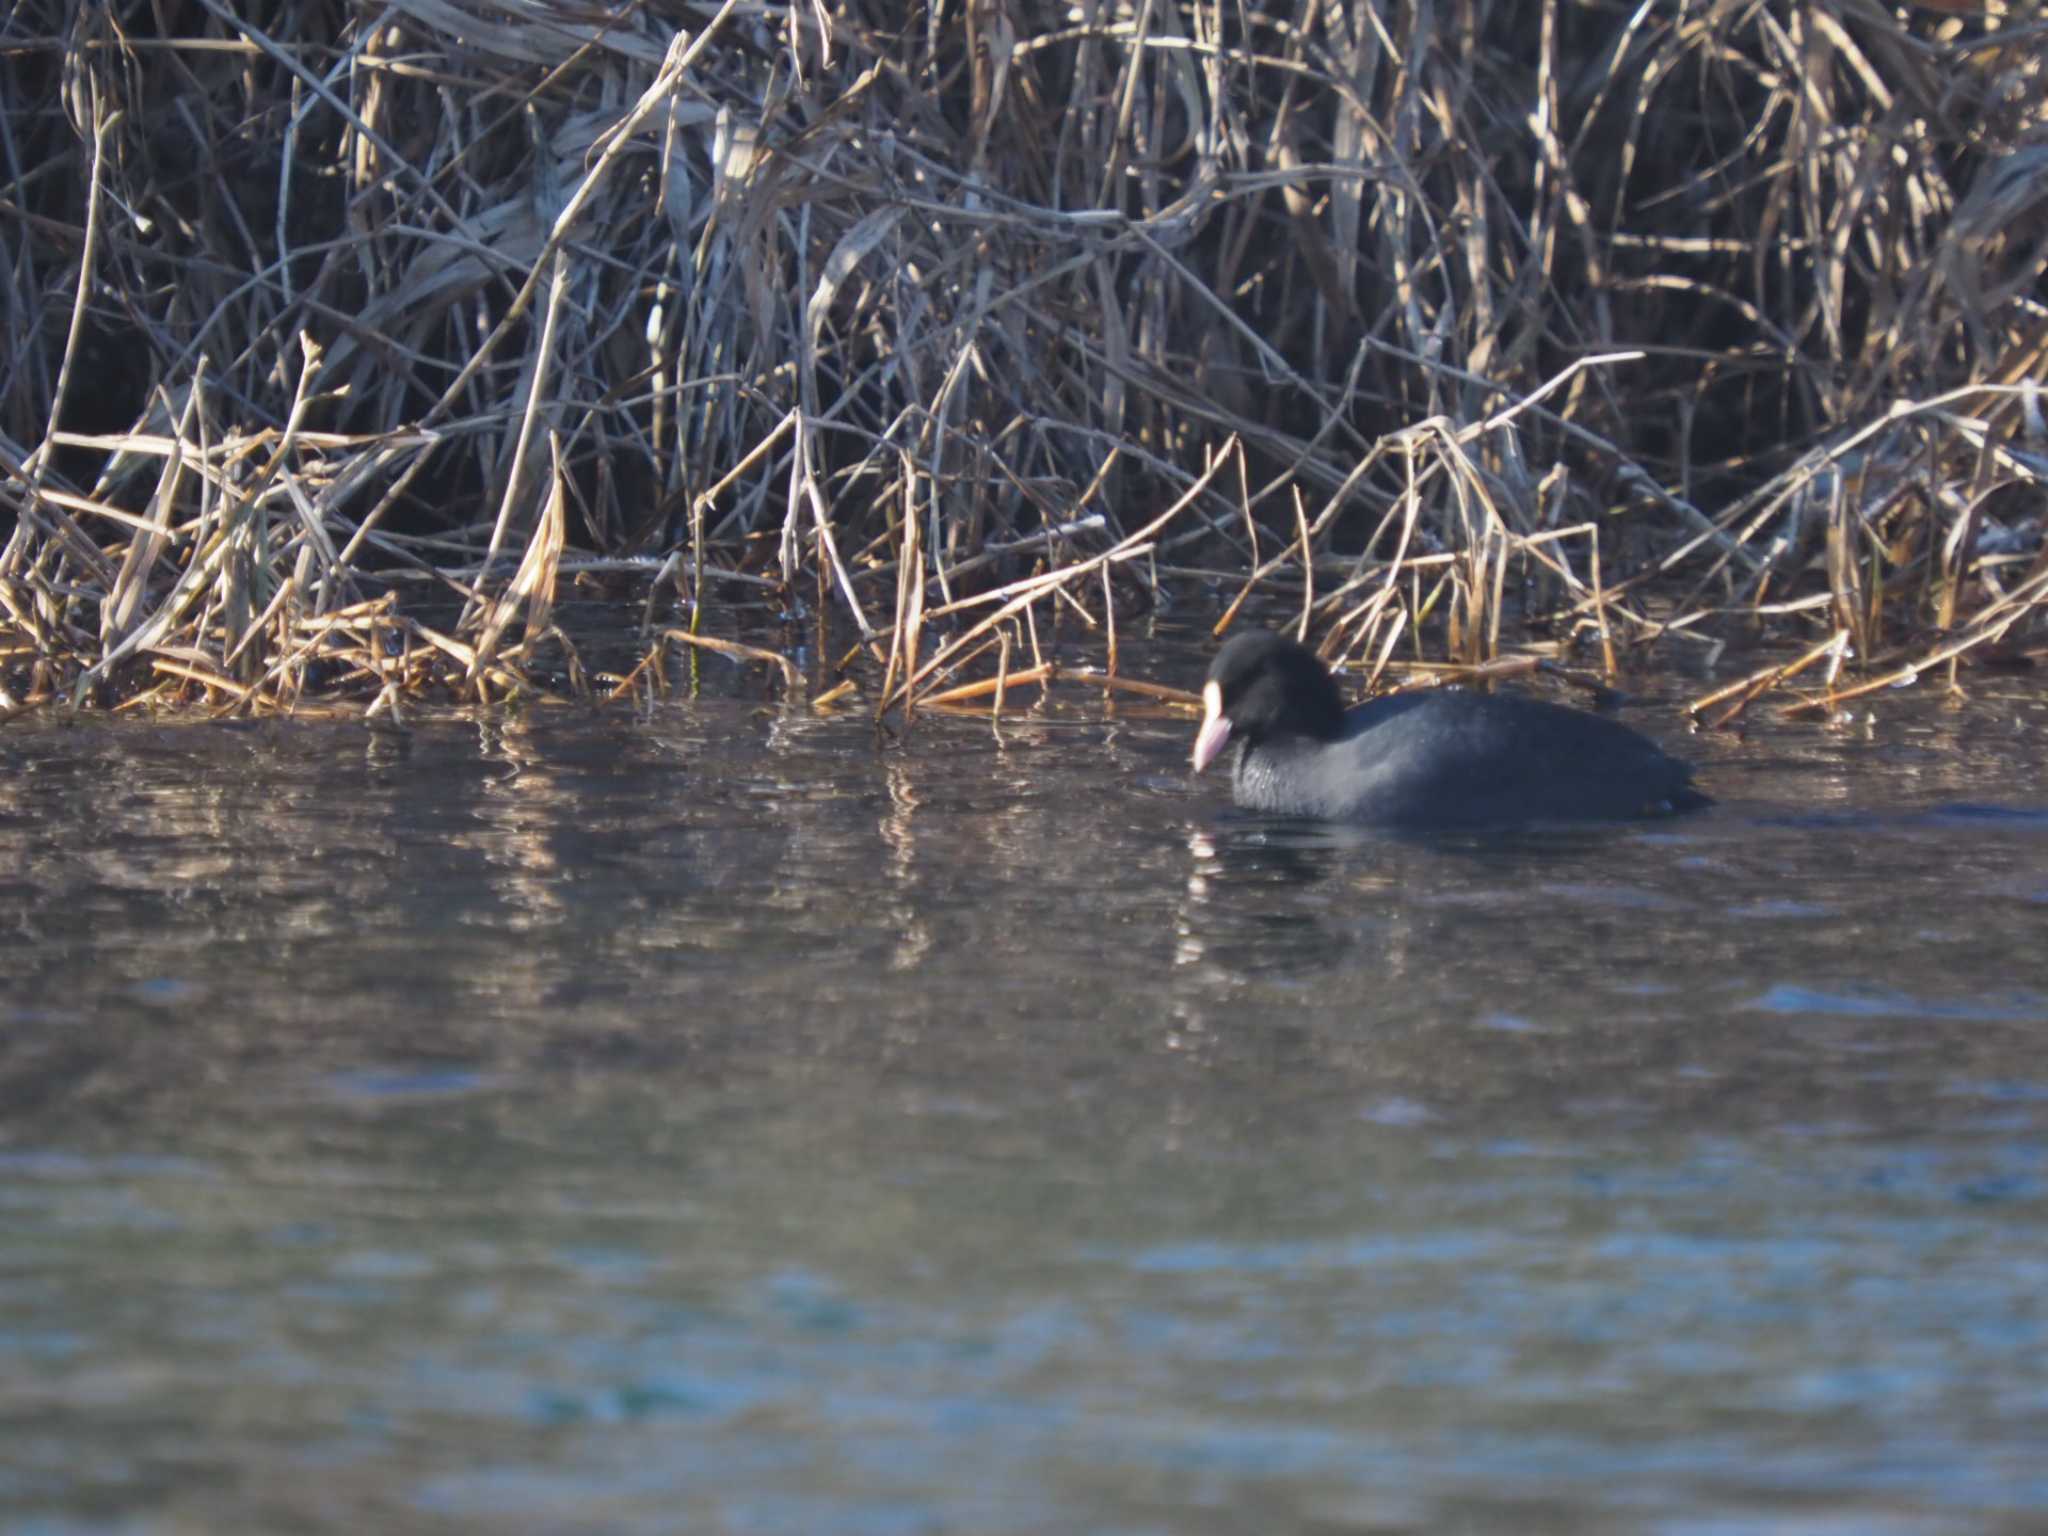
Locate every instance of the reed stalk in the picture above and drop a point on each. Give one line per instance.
(337, 340)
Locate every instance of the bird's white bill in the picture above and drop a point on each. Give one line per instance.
(1215, 729)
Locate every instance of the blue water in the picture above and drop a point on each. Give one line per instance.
(720, 1122)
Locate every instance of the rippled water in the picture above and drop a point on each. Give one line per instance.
(724, 1121)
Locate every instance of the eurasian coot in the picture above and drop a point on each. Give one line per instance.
(1430, 758)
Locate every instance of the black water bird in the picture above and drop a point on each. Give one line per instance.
(1438, 757)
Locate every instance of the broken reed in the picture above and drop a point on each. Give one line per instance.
(1455, 328)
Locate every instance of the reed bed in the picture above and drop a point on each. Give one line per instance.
(342, 341)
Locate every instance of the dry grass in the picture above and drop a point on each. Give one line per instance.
(332, 352)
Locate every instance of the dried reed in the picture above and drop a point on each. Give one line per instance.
(1452, 326)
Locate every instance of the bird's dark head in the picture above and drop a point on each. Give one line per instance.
(1262, 686)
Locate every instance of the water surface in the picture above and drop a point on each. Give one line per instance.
(726, 1121)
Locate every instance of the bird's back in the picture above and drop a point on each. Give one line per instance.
(1450, 757)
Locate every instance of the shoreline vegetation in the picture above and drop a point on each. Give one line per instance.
(336, 355)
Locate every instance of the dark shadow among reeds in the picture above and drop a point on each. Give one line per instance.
(331, 353)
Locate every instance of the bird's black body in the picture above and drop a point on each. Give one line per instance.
(1437, 758)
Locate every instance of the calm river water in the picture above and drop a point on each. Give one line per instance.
(720, 1122)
